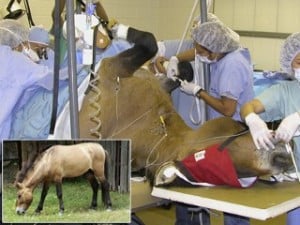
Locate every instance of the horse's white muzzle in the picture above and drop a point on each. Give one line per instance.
(20, 210)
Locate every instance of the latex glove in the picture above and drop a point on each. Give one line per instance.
(190, 88)
(288, 127)
(172, 69)
(261, 135)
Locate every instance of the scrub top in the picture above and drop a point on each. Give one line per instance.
(280, 101)
(18, 73)
(232, 77)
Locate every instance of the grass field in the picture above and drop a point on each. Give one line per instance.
(77, 196)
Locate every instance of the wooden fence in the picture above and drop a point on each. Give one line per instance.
(119, 156)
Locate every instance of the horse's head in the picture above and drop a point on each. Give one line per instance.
(274, 161)
(24, 198)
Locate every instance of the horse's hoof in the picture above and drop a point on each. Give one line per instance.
(165, 174)
(93, 207)
(109, 209)
(37, 211)
(61, 213)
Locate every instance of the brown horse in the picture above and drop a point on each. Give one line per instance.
(62, 161)
(129, 102)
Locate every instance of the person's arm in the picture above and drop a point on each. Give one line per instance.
(226, 106)
(172, 70)
(254, 106)
(261, 135)
(188, 55)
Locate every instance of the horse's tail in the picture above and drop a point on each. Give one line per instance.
(106, 164)
(106, 186)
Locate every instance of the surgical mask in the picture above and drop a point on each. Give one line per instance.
(31, 54)
(297, 74)
(204, 59)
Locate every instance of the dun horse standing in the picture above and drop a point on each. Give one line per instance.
(62, 161)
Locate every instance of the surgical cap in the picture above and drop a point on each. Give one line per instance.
(12, 33)
(38, 35)
(216, 37)
(289, 50)
(210, 18)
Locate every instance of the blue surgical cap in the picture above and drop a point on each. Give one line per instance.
(289, 50)
(12, 33)
(216, 37)
(39, 35)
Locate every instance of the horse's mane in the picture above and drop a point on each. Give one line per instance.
(30, 164)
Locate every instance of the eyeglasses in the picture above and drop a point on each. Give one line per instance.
(42, 52)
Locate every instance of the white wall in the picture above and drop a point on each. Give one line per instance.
(280, 16)
(167, 20)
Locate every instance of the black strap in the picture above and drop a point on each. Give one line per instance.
(231, 138)
(269, 182)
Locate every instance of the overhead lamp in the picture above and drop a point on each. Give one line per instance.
(14, 10)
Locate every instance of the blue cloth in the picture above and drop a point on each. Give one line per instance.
(191, 215)
(264, 80)
(231, 219)
(293, 217)
(18, 73)
(232, 77)
(32, 121)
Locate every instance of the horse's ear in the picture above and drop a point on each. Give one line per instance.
(19, 185)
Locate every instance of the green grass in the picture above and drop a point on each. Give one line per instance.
(77, 197)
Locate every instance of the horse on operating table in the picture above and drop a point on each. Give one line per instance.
(127, 101)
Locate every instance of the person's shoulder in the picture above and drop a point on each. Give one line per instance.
(5, 48)
(6, 53)
(289, 84)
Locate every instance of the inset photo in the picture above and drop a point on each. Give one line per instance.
(62, 181)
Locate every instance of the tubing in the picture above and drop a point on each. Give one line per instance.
(187, 26)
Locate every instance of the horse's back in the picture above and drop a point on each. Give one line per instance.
(74, 160)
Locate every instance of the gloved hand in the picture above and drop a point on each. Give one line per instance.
(288, 127)
(261, 135)
(190, 88)
(172, 69)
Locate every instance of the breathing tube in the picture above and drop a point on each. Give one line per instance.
(196, 101)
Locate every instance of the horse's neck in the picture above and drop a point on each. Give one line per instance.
(35, 175)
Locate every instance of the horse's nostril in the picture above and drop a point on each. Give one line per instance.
(282, 161)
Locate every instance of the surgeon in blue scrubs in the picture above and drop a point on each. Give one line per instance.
(19, 71)
(231, 86)
(39, 40)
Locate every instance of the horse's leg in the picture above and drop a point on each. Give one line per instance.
(43, 196)
(60, 197)
(105, 194)
(95, 186)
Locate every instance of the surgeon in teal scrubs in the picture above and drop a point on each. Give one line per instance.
(280, 101)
